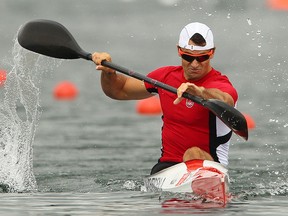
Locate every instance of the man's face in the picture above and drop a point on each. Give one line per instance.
(197, 63)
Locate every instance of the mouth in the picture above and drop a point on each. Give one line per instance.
(194, 70)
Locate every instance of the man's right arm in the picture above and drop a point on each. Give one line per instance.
(118, 86)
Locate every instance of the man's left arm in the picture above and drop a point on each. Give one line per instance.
(205, 93)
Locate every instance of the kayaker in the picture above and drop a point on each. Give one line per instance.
(189, 130)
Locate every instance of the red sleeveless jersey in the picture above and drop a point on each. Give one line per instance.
(189, 124)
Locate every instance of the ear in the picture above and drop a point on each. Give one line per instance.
(178, 50)
(213, 53)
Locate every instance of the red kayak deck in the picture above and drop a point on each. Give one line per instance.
(207, 179)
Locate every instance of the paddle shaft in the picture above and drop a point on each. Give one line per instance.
(145, 78)
(150, 80)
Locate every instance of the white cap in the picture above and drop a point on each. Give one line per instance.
(189, 30)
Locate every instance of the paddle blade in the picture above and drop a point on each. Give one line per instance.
(234, 119)
(51, 39)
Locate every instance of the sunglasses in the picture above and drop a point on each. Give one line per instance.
(199, 57)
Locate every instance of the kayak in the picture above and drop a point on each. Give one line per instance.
(206, 179)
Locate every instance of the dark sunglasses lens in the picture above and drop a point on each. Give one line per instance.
(202, 58)
(187, 57)
(198, 58)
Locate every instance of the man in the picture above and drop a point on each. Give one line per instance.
(189, 130)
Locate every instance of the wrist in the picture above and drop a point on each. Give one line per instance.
(202, 92)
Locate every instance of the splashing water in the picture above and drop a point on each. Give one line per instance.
(19, 115)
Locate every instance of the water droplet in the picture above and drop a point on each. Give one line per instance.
(249, 21)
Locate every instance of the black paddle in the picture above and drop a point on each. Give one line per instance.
(53, 39)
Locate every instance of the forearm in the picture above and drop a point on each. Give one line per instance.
(118, 86)
(213, 93)
(112, 84)
(205, 93)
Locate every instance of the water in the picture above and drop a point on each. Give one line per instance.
(89, 156)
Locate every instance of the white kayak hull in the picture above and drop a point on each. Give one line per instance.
(204, 178)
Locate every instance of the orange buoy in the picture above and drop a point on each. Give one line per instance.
(3, 76)
(65, 91)
(277, 4)
(250, 121)
(149, 106)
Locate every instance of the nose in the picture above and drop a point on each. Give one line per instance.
(194, 63)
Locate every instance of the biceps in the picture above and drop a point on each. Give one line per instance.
(135, 89)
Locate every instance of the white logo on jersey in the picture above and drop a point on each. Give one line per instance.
(189, 103)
